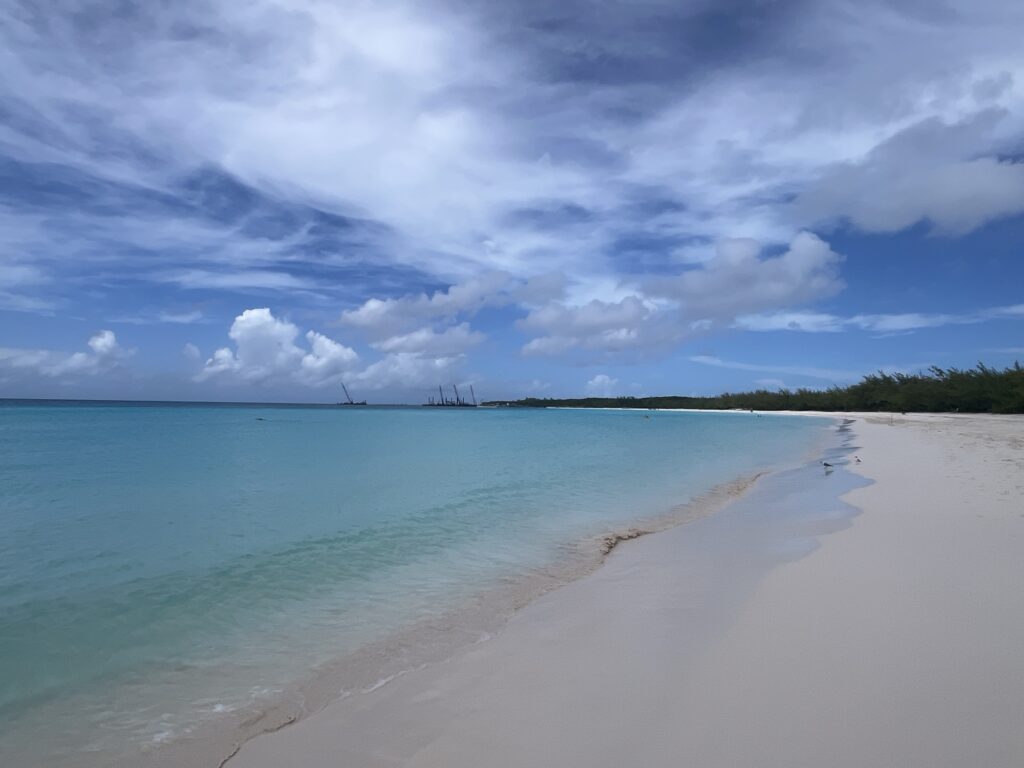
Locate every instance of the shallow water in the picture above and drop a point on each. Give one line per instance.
(165, 566)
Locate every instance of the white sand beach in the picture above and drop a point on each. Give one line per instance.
(898, 641)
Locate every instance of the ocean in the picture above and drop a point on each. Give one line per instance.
(176, 577)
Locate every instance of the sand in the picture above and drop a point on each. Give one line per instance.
(896, 639)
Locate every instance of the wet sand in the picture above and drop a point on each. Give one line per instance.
(787, 630)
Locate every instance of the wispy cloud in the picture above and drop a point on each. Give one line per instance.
(817, 322)
(355, 133)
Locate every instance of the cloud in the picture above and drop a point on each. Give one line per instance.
(406, 370)
(15, 277)
(387, 317)
(270, 351)
(353, 138)
(180, 318)
(266, 350)
(191, 351)
(930, 171)
(104, 354)
(619, 182)
(835, 376)
(455, 340)
(818, 322)
(629, 325)
(828, 374)
(602, 385)
(244, 280)
(736, 279)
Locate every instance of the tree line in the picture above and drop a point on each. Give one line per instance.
(975, 390)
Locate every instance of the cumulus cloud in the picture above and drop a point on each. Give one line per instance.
(269, 350)
(266, 349)
(104, 354)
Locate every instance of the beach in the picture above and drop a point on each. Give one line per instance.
(178, 578)
(889, 635)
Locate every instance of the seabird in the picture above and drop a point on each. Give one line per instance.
(826, 465)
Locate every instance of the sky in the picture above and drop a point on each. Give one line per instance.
(214, 200)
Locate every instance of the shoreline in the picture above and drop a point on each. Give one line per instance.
(832, 441)
(474, 709)
(457, 631)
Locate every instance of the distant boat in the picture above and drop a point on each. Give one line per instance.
(348, 398)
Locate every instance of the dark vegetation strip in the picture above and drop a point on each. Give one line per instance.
(975, 390)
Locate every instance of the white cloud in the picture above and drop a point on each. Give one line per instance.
(388, 317)
(104, 354)
(602, 385)
(455, 340)
(814, 322)
(405, 370)
(817, 322)
(191, 351)
(269, 350)
(326, 359)
(735, 280)
(738, 280)
(597, 325)
(369, 111)
(930, 171)
(180, 318)
(515, 181)
(266, 349)
(237, 280)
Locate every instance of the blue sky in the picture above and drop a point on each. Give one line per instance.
(258, 201)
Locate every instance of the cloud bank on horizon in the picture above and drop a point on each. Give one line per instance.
(266, 199)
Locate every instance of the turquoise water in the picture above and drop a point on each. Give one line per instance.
(163, 566)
